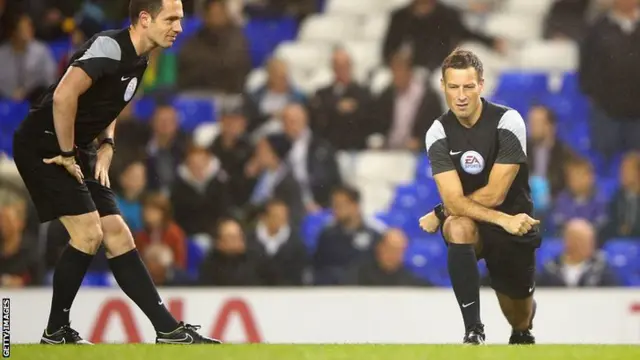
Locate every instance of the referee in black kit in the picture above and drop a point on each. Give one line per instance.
(66, 173)
(478, 156)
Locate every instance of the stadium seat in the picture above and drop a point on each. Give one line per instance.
(328, 29)
(264, 35)
(195, 255)
(374, 166)
(380, 79)
(533, 8)
(570, 84)
(374, 27)
(194, 111)
(423, 168)
(304, 56)
(515, 28)
(11, 114)
(353, 7)
(551, 56)
(143, 108)
(522, 84)
(550, 249)
(624, 257)
(59, 48)
(427, 258)
(312, 226)
(366, 56)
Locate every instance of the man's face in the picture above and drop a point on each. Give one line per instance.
(165, 27)
(390, 251)
(165, 121)
(580, 180)
(342, 67)
(344, 209)
(134, 179)
(579, 241)
(294, 121)
(198, 163)
(402, 74)
(24, 31)
(230, 238)
(462, 90)
(540, 127)
(233, 125)
(276, 217)
(629, 173)
(216, 15)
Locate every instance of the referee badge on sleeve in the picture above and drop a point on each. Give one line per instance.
(131, 89)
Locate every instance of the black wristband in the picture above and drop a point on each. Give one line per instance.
(108, 141)
(440, 213)
(68, 154)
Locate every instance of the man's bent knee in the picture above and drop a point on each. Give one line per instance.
(117, 236)
(85, 231)
(460, 230)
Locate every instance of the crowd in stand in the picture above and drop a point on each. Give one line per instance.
(243, 195)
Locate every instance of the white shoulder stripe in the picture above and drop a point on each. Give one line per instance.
(513, 122)
(103, 47)
(435, 133)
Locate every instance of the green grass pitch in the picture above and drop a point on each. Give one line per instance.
(323, 352)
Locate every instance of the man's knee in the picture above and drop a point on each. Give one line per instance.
(85, 231)
(117, 236)
(460, 230)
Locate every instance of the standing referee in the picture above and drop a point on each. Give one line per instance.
(66, 173)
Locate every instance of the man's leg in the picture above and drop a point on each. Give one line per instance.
(134, 279)
(86, 235)
(463, 238)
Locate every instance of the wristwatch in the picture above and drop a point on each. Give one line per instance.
(108, 141)
(68, 154)
(440, 213)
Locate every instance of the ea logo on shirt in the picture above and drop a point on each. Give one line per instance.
(472, 162)
(131, 89)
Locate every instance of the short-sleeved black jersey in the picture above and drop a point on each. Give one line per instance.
(499, 137)
(116, 70)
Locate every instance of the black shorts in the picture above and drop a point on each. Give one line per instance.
(53, 190)
(510, 259)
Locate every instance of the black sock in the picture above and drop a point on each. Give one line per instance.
(465, 279)
(134, 279)
(67, 278)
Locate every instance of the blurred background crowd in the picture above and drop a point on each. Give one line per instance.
(281, 142)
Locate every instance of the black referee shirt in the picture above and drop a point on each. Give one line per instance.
(111, 61)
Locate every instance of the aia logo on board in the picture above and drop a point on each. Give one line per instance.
(472, 162)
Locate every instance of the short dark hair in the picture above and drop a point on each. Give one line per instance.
(352, 193)
(463, 59)
(551, 115)
(153, 7)
(267, 206)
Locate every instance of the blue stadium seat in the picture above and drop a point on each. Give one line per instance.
(427, 258)
(524, 84)
(570, 84)
(423, 168)
(96, 279)
(264, 35)
(312, 226)
(60, 48)
(624, 257)
(195, 255)
(143, 108)
(568, 109)
(549, 250)
(194, 112)
(6, 144)
(11, 114)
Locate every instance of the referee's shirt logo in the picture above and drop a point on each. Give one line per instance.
(472, 162)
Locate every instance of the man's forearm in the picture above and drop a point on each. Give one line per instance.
(64, 118)
(485, 197)
(109, 132)
(463, 206)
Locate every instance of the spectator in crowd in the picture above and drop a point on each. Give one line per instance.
(132, 183)
(339, 112)
(162, 72)
(580, 265)
(312, 159)
(158, 258)
(547, 154)
(234, 150)
(230, 263)
(81, 32)
(159, 227)
(28, 67)
(386, 265)
(567, 20)
(216, 58)
(283, 256)
(406, 107)
(269, 100)
(132, 136)
(165, 149)
(431, 30)
(610, 55)
(581, 198)
(199, 195)
(344, 241)
(624, 210)
(20, 264)
(274, 178)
